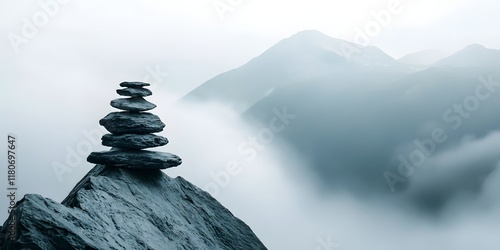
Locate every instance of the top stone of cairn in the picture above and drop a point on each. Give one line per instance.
(134, 84)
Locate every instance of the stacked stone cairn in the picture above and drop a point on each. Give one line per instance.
(132, 132)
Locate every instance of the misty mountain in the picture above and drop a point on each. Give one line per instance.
(302, 57)
(472, 56)
(361, 121)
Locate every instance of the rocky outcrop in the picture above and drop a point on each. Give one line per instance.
(116, 208)
(126, 202)
(131, 133)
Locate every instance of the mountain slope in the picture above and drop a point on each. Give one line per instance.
(474, 55)
(304, 56)
(351, 136)
(113, 208)
(356, 117)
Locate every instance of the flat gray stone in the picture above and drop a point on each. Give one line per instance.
(134, 84)
(120, 123)
(134, 92)
(134, 141)
(136, 159)
(132, 104)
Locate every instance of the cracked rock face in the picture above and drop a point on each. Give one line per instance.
(115, 208)
(120, 123)
(138, 159)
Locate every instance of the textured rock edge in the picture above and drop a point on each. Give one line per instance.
(72, 202)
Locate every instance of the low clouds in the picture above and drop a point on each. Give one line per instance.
(461, 170)
(278, 193)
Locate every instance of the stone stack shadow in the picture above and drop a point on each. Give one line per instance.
(132, 132)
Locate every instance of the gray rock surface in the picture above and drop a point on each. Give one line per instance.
(137, 159)
(134, 92)
(132, 123)
(114, 208)
(134, 84)
(133, 104)
(134, 141)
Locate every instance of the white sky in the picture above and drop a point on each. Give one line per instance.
(190, 40)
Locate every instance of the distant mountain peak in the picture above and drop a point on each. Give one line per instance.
(313, 36)
(474, 55)
(349, 51)
(306, 55)
(475, 46)
(309, 33)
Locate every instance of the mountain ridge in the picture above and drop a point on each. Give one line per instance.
(355, 119)
(473, 55)
(291, 60)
